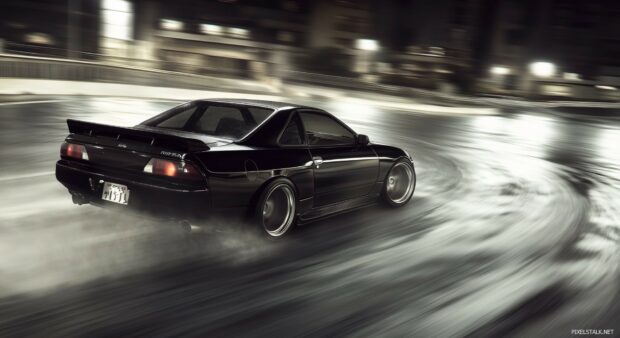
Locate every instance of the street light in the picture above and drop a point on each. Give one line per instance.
(542, 69)
(367, 44)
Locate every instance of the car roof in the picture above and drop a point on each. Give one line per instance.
(275, 105)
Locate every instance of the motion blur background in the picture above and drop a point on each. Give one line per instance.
(509, 109)
(564, 49)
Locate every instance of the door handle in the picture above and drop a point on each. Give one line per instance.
(318, 160)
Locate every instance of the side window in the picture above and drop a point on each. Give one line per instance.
(324, 130)
(292, 133)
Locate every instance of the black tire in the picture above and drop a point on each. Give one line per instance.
(399, 183)
(276, 209)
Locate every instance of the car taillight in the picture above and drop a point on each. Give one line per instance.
(158, 166)
(74, 151)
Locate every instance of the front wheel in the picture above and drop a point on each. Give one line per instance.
(276, 207)
(399, 183)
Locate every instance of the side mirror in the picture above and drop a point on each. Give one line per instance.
(362, 139)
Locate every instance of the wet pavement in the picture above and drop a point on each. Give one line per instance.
(514, 229)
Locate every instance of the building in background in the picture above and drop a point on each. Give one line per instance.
(339, 24)
(67, 28)
(553, 48)
(427, 43)
(234, 38)
(341, 34)
(534, 48)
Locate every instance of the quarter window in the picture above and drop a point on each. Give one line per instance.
(259, 114)
(324, 130)
(179, 120)
(292, 134)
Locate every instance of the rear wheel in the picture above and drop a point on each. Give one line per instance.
(399, 183)
(276, 207)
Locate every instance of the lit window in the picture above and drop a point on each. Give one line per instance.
(117, 5)
(211, 29)
(171, 25)
(542, 69)
(117, 19)
(367, 44)
(111, 17)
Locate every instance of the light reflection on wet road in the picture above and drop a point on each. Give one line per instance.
(514, 229)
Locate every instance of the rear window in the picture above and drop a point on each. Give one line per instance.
(227, 121)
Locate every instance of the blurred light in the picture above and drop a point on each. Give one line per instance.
(489, 124)
(116, 32)
(557, 90)
(117, 5)
(367, 44)
(117, 19)
(608, 145)
(542, 69)
(532, 134)
(572, 76)
(413, 49)
(39, 38)
(211, 29)
(606, 87)
(172, 25)
(16, 25)
(500, 70)
(238, 32)
(436, 51)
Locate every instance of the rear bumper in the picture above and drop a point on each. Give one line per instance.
(86, 185)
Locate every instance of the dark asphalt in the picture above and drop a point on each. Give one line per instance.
(514, 229)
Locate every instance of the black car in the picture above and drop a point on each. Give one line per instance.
(277, 163)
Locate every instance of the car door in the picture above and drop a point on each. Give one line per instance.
(343, 169)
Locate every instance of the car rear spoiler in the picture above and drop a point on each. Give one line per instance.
(164, 139)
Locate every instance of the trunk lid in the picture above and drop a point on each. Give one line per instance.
(130, 148)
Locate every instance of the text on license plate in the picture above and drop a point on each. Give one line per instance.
(116, 193)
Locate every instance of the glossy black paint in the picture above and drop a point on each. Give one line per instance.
(148, 194)
(327, 179)
(346, 172)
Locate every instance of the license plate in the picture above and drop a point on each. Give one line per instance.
(116, 193)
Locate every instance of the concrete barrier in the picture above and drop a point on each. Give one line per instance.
(19, 66)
